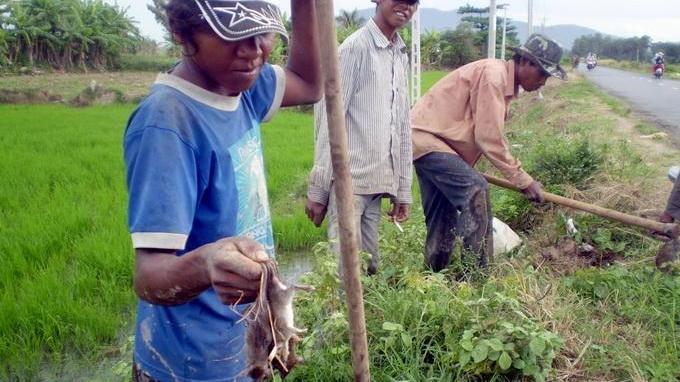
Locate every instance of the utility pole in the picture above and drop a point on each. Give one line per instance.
(415, 57)
(505, 28)
(491, 52)
(530, 21)
(543, 26)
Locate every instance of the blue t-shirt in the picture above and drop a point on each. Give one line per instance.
(195, 175)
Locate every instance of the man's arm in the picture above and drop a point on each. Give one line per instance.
(230, 266)
(303, 72)
(489, 120)
(404, 199)
(321, 176)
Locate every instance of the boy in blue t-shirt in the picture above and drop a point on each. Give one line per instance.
(198, 206)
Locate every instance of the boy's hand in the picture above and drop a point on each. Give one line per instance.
(316, 212)
(233, 266)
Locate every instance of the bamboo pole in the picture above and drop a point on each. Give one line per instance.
(337, 136)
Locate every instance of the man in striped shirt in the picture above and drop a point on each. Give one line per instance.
(373, 67)
(457, 121)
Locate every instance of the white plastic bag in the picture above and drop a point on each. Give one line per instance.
(504, 238)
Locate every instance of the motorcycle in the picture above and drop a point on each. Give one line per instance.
(590, 64)
(658, 70)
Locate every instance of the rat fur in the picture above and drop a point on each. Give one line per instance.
(271, 336)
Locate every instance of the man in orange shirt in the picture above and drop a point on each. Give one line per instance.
(460, 119)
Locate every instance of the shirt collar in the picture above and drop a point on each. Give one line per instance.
(225, 103)
(510, 86)
(380, 39)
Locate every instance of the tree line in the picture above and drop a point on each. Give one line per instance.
(640, 49)
(82, 34)
(65, 34)
(450, 48)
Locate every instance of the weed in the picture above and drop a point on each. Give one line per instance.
(645, 128)
(422, 325)
(563, 162)
(147, 63)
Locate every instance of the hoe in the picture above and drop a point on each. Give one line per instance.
(669, 232)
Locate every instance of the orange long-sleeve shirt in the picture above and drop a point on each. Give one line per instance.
(464, 114)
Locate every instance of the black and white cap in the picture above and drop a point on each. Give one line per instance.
(238, 20)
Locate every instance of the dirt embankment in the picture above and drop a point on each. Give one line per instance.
(79, 89)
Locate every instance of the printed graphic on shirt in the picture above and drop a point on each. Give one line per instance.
(254, 218)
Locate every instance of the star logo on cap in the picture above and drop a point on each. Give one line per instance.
(240, 13)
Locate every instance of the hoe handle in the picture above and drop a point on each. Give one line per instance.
(666, 229)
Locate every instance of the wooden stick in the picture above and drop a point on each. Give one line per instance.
(337, 136)
(667, 229)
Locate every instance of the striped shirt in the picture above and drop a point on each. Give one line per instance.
(374, 87)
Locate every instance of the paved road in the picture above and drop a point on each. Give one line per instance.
(659, 100)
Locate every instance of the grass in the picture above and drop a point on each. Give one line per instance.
(672, 70)
(430, 78)
(646, 128)
(146, 63)
(289, 156)
(133, 85)
(611, 323)
(66, 256)
(65, 279)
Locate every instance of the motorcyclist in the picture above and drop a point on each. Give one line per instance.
(591, 60)
(658, 58)
(575, 59)
(659, 63)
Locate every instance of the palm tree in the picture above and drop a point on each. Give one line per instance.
(350, 20)
(158, 10)
(59, 32)
(431, 51)
(4, 35)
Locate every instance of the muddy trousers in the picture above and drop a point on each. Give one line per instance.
(673, 205)
(456, 204)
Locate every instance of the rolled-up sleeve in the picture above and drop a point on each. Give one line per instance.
(406, 154)
(489, 119)
(321, 176)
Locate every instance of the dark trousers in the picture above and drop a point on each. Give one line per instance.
(456, 204)
(673, 205)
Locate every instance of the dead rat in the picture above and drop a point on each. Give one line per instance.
(271, 336)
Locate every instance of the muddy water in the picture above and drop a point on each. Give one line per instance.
(292, 265)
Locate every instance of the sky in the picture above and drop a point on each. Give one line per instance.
(659, 19)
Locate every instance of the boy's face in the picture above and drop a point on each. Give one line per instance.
(232, 66)
(397, 13)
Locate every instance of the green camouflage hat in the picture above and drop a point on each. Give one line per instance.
(544, 52)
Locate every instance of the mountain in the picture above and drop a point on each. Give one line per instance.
(435, 19)
(563, 34)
